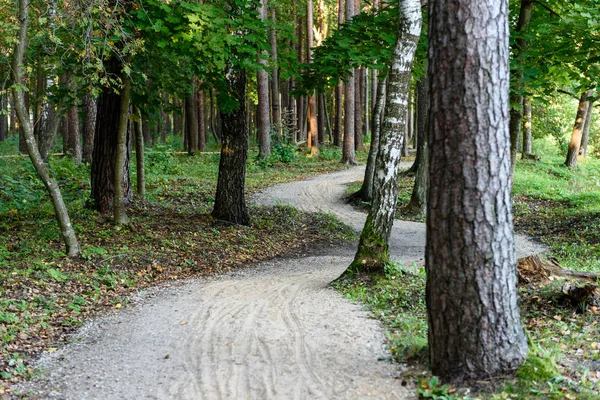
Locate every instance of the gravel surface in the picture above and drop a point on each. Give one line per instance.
(272, 331)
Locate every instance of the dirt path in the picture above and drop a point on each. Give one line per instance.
(273, 331)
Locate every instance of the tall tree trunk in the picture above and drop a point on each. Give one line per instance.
(366, 191)
(527, 138)
(13, 123)
(105, 146)
(358, 108)
(3, 117)
(373, 248)
(263, 111)
(585, 136)
(230, 204)
(201, 122)
(191, 121)
(89, 127)
(475, 329)
(74, 139)
(122, 152)
(418, 200)
(516, 98)
(275, 103)
(575, 142)
(22, 144)
(348, 156)
(339, 91)
(313, 143)
(139, 155)
(62, 215)
(321, 117)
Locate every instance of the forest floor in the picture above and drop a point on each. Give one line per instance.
(274, 330)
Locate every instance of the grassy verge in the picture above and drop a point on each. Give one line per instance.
(561, 208)
(44, 295)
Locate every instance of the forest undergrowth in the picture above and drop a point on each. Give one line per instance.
(45, 296)
(558, 206)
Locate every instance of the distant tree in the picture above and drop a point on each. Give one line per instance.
(577, 132)
(475, 329)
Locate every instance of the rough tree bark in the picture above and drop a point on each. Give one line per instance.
(418, 200)
(62, 215)
(348, 156)
(89, 127)
(230, 204)
(358, 102)
(527, 138)
(373, 248)
(575, 142)
(339, 91)
(516, 98)
(105, 146)
(262, 81)
(474, 324)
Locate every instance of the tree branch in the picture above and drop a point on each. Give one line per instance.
(568, 93)
(547, 8)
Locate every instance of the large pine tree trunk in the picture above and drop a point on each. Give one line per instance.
(475, 329)
(313, 143)
(60, 209)
(373, 248)
(339, 92)
(105, 146)
(527, 138)
(577, 133)
(230, 204)
(516, 98)
(418, 200)
(122, 153)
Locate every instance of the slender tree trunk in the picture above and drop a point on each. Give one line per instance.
(358, 120)
(339, 91)
(527, 138)
(201, 122)
(275, 103)
(575, 142)
(373, 248)
(475, 330)
(139, 155)
(585, 136)
(366, 191)
(230, 204)
(321, 117)
(516, 114)
(74, 138)
(418, 200)
(313, 143)
(191, 121)
(263, 112)
(89, 127)
(62, 215)
(348, 156)
(12, 127)
(121, 153)
(22, 144)
(3, 117)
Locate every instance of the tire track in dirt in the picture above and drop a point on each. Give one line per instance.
(271, 331)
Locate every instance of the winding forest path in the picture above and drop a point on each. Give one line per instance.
(273, 331)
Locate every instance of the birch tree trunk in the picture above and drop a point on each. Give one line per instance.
(60, 209)
(373, 248)
(475, 329)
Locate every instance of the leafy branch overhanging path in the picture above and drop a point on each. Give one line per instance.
(273, 331)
